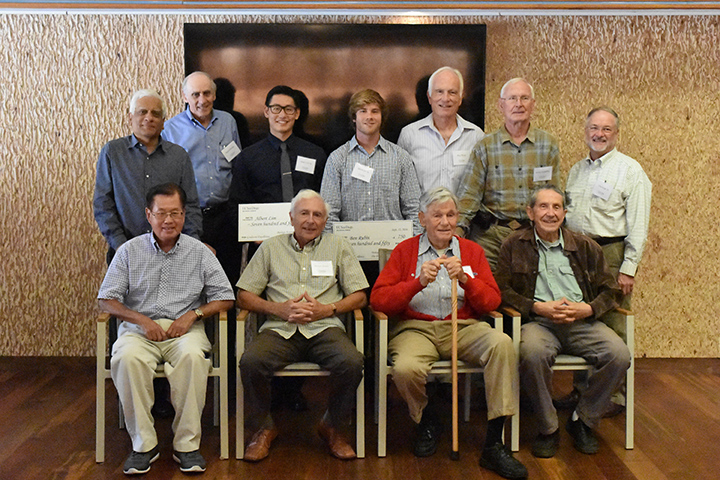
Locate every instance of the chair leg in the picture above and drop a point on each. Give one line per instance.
(221, 389)
(100, 395)
(630, 406)
(239, 393)
(466, 405)
(360, 414)
(382, 386)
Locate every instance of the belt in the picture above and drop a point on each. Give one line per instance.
(602, 241)
(214, 210)
(512, 223)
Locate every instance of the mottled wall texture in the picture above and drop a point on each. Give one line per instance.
(65, 81)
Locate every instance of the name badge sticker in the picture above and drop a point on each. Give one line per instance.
(542, 174)
(305, 164)
(461, 157)
(322, 268)
(602, 189)
(468, 271)
(231, 151)
(362, 172)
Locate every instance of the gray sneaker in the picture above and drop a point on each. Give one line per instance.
(190, 461)
(138, 463)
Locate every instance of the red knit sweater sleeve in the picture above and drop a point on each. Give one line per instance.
(396, 285)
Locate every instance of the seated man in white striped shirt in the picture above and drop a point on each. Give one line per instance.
(309, 278)
(441, 143)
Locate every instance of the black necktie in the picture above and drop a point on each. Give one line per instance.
(286, 172)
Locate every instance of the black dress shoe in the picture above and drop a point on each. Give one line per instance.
(568, 402)
(500, 460)
(426, 439)
(546, 446)
(583, 437)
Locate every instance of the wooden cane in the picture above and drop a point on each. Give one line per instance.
(455, 454)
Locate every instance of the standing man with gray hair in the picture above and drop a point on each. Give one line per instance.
(127, 169)
(441, 143)
(129, 166)
(609, 200)
(211, 139)
(504, 168)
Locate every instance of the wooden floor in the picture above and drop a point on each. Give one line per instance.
(47, 415)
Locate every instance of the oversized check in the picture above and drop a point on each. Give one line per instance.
(367, 237)
(260, 221)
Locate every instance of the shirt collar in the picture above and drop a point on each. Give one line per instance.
(505, 136)
(156, 246)
(275, 142)
(192, 119)
(425, 245)
(546, 245)
(135, 143)
(309, 246)
(604, 159)
(382, 144)
(427, 122)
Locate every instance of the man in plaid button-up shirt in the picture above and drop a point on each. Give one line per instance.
(504, 168)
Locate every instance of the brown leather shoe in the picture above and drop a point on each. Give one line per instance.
(339, 447)
(259, 445)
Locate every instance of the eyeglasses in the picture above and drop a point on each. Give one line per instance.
(164, 215)
(515, 98)
(596, 128)
(289, 109)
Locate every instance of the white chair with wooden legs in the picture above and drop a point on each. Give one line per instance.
(573, 363)
(383, 369)
(218, 370)
(299, 369)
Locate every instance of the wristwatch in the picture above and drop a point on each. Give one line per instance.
(199, 314)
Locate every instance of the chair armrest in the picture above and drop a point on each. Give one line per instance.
(378, 315)
(242, 315)
(509, 311)
(359, 317)
(103, 317)
(625, 312)
(495, 319)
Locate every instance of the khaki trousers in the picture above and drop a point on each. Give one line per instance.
(417, 344)
(133, 364)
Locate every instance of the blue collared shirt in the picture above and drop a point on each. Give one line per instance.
(436, 298)
(213, 172)
(159, 285)
(125, 172)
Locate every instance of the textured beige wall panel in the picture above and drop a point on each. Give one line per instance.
(66, 80)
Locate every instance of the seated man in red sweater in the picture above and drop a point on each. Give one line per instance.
(415, 286)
